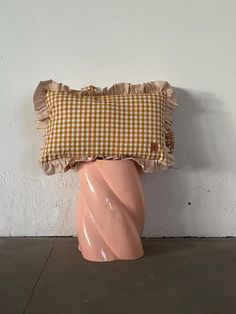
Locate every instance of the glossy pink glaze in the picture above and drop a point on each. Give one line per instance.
(111, 210)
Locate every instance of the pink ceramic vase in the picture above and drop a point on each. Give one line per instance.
(111, 210)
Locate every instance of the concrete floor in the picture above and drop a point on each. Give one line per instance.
(176, 275)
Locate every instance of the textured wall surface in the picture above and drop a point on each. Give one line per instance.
(191, 44)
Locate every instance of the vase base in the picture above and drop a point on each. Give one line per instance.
(110, 259)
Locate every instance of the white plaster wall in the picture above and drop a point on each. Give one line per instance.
(191, 44)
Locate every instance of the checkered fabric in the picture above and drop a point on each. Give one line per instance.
(104, 125)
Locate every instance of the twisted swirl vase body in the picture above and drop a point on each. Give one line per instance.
(111, 210)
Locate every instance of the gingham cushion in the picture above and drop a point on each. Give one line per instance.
(80, 127)
(104, 125)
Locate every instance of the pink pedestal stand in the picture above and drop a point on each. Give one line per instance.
(111, 210)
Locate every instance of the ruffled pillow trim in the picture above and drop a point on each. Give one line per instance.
(66, 163)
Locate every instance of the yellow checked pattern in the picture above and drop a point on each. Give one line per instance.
(104, 125)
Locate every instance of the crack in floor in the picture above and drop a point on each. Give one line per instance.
(38, 278)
